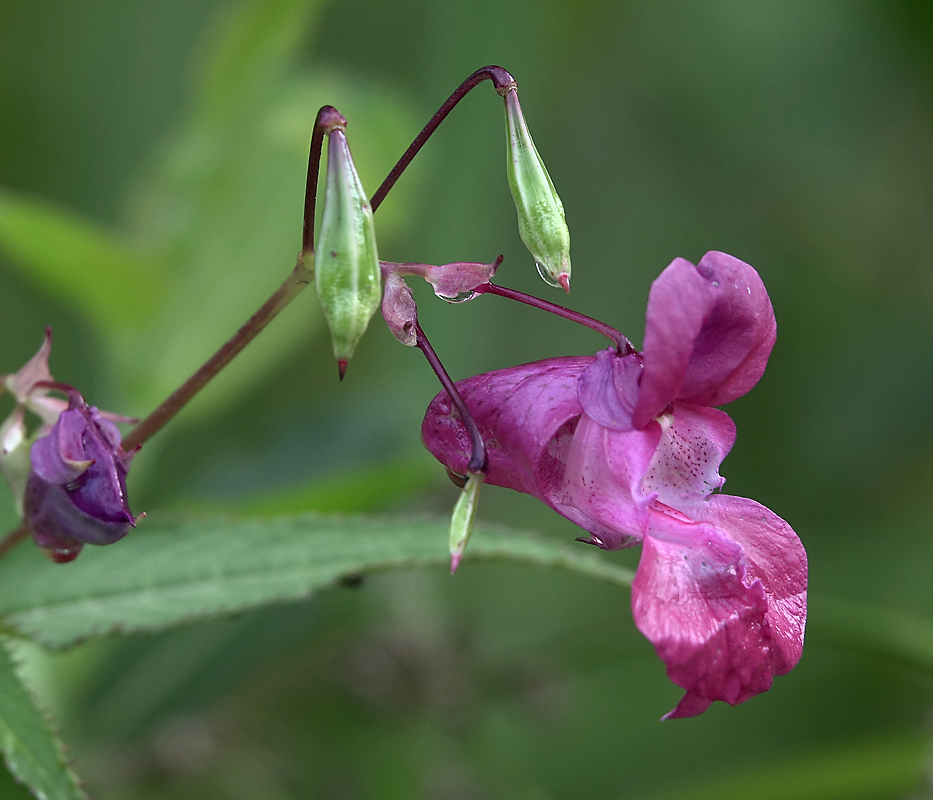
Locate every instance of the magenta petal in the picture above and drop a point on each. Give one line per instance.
(602, 483)
(732, 350)
(609, 388)
(685, 466)
(678, 303)
(709, 331)
(695, 601)
(526, 415)
(775, 556)
(457, 281)
(399, 310)
(108, 430)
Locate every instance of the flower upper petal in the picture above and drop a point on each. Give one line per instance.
(33, 371)
(709, 330)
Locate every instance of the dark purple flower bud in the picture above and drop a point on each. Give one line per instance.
(76, 490)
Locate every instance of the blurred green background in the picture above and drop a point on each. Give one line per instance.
(152, 168)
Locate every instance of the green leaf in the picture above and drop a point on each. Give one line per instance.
(32, 751)
(169, 572)
(78, 263)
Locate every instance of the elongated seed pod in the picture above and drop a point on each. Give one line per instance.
(541, 222)
(347, 275)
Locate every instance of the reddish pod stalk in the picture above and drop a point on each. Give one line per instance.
(502, 82)
(477, 462)
(621, 341)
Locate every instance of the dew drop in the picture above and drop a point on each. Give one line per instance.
(458, 298)
(546, 276)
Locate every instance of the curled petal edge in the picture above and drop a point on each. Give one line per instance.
(709, 330)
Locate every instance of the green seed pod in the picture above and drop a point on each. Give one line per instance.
(346, 273)
(464, 514)
(541, 222)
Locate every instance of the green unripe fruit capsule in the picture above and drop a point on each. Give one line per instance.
(541, 222)
(346, 272)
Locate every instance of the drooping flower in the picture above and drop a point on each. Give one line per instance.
(76, 490)
(628, 445)
(69, 475)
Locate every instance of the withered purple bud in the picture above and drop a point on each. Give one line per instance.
(76, 490)
(399, 310)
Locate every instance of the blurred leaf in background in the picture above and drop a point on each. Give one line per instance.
(152, 167)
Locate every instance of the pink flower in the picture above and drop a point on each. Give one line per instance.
(628, 447)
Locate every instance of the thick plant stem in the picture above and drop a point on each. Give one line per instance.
(500, 79)
(301, 276)
(620, 340)
(478, 462)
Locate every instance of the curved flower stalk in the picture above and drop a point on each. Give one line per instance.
(627, 445)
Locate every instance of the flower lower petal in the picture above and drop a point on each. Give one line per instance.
(694, 600)
(775, 556)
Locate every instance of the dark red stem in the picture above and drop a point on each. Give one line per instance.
(478, 458)
(623, 345)
(500, 79)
